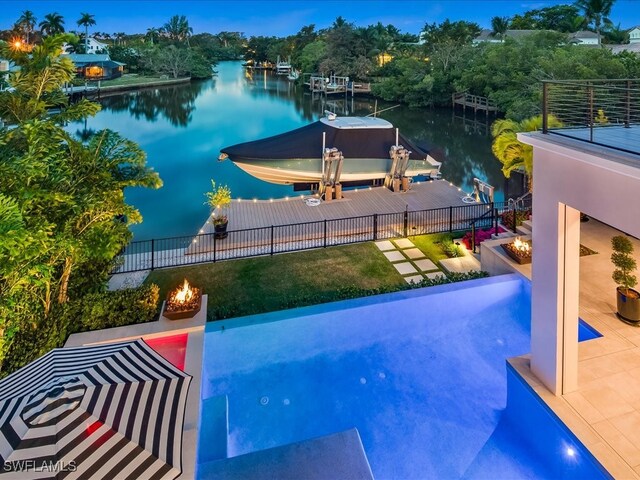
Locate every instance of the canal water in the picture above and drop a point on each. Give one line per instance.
(182, 129)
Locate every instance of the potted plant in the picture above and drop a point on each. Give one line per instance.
(628, 298)
(219, 198)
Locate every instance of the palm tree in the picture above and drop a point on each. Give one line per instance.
(27, 23)
(499, 27)
(596, 12)
(513, 154)
(86, 20)
(120, 37)
(153, 34)
(178, 29)
(52, 24)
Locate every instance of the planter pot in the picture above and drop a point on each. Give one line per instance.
(629, 306)
(220, 230)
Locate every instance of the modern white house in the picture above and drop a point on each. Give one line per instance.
(634, 35)
(590, 165)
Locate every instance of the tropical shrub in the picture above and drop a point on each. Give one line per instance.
(94, 311)
(622, 259)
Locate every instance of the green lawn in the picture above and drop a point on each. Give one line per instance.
(431, 245)
(130, 79)
(264, 284)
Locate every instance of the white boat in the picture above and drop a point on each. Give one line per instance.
(295, 157)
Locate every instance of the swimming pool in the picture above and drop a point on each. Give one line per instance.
(421, 374)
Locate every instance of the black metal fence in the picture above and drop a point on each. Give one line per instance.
(189, 250)
(602, 112)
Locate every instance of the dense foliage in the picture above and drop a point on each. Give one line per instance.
(63, 217)
(93, 311)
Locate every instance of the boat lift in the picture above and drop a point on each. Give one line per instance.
(396, 179)
(332, 160)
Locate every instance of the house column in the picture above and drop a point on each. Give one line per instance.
(555, 292)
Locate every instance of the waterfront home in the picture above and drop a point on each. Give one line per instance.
(96, 66)
(584, 37)
(634, 35)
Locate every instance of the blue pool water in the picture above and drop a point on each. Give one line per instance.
(421, 375)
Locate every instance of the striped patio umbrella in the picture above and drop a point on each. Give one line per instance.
(111, 411)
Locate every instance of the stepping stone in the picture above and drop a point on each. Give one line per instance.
(434, 275)
(405, 268)
(413, 253)
(414, 279)
(404, 243)
(425, 265)
(385, 245)
(394, 256)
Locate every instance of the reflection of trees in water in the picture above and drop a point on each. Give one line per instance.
(175, 103)
(466, 144)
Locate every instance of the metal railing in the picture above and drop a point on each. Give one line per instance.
(602, 112)
(253, 242)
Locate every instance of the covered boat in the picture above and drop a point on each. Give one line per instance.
(296, 157)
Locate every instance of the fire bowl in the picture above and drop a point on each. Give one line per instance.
(184, 302)
(517, 255)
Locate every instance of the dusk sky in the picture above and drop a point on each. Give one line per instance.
(284, 17)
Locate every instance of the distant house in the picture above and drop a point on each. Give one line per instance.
(96, 66)
(634, 35)
(93, 46)
(487, 35)
(584, 37)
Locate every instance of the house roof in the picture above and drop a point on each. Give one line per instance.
(103, 59)
(487, 35)
(630, 47)
(584, 34)
(88, 57)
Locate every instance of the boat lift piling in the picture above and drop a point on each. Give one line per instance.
(332, 159)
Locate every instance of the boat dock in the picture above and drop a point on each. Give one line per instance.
(334, 84)
(475, 102)
(247, 214)
(268, 227)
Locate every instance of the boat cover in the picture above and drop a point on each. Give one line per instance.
(306, 142)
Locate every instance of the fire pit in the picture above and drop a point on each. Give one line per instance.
(183, 302)
(518, 250)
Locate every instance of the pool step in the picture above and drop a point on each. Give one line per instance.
(214, 429)
(340, 455)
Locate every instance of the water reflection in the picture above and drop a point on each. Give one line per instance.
(174, 103)
(182, 129)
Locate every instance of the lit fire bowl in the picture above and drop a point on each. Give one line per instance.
(183, 302)
(518, 250)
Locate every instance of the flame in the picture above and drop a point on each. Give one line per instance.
(522, 246)
(184, 294)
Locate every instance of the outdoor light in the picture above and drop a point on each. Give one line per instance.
(571, 452)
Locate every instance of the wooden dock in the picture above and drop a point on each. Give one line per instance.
(244, 214)
(474, 102)
(268, 227)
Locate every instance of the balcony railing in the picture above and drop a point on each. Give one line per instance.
(601, 112)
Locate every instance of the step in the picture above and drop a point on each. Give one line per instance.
(213, 439)
(523, 230)
(528, 224)
(339, 455)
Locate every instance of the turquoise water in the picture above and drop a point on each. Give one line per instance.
(182, 129)
(420, 374)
